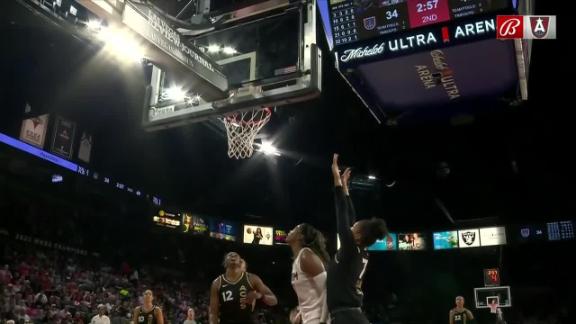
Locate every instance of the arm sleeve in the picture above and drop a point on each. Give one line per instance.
(343, 218)
(351, 211)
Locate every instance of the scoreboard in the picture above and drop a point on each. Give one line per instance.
(357, 20)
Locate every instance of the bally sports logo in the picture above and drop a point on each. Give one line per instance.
(526, 27)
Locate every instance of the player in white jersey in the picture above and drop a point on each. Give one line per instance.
(309, 274)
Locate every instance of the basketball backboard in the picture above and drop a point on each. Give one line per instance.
(245, 55)
(486, 296)
(269, 59)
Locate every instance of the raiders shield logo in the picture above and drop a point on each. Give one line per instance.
(370, 23)
(469, 237)
(539, 26)
(525, 232)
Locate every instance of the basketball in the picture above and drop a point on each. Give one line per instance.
(249, 230)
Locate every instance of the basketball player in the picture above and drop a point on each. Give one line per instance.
(148, 313)
(309, 274)
(460, 315)
(233, 294)
(257, 236)
(345, 273)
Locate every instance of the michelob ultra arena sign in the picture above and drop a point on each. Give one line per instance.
(417, 40)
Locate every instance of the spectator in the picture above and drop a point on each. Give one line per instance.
(46, 287)
(101, 318)
(190, 318)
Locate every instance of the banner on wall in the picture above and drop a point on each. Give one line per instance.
(63, 139)
(33, 130)
(85, 149)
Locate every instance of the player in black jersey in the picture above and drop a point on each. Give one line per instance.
(257, 236)
(460, 315)
(233, 295)
(147, 313)
(345, 272)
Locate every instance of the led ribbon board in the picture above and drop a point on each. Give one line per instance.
(416, 40)
(38, 153)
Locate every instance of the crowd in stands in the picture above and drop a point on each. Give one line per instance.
(40, 285)
(48, 287)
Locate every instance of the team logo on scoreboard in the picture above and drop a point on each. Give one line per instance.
(370, 23)
(525, 232)
(526, 27)
(539, 26)
(510, 27)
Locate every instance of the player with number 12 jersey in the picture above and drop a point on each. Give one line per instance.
(234, 294)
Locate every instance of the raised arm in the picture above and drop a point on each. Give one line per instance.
(343, 212)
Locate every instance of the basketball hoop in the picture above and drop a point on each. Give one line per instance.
(242, 128)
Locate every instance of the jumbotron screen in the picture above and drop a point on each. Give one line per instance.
(194, 224)
(389, 243)
(280, 236)
(167, 219)
(222, 229)
(258, 235)
(445, 240)
(357, 20)
(411, 241)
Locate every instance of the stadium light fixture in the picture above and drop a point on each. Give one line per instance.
(175, 93)
(229, 50)
(121, 44)
(213, 48)
(94, 25)
(269, 149)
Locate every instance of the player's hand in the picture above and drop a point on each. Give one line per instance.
(295, 316)
(297, 319)
(335, 168)
(336, 171)
(252, 296)
(345, 178)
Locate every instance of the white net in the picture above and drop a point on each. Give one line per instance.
(242, 128)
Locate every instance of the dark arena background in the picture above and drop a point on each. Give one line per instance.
(140, 141)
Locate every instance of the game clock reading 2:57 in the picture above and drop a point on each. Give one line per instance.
(427, 12)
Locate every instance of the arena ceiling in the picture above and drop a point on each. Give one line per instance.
(509, 162)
